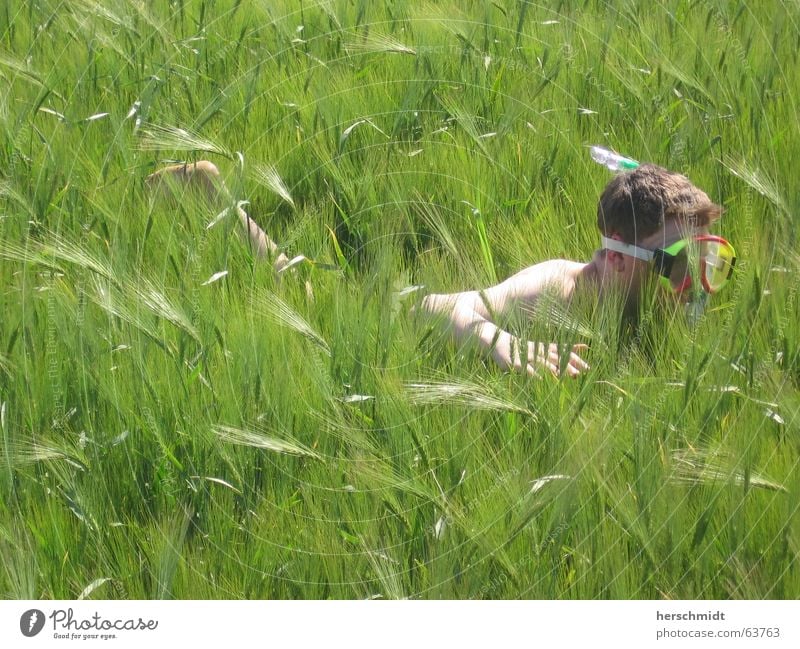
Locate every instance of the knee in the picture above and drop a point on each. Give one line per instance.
(203, 175)
(205, 168)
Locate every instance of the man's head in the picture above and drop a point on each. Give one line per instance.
(649, 207)
(634, 205)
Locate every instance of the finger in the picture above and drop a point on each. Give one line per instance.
(535, 352)
(553, 367)
(576, 357)
(578, 362)
(553, 364)
(574, 371)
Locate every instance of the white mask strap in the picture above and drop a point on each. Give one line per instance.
(626, 249)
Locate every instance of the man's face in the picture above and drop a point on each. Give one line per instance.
(632, 275)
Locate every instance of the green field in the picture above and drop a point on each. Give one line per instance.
(166, 436)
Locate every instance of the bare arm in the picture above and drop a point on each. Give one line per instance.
(470, 315)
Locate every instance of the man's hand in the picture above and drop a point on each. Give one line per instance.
(471, 316)
(507, 353)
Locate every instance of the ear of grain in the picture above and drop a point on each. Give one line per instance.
(465, 120)
(698, 466)
(172, 138)
(375, 42)
(459, 393)
(92, 587)
(244, 437)
(269, 177)
(387, 572)
(172, 539)
(280, 313)
(758, 181)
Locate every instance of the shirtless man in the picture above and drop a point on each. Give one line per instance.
(641, 214)
(650, 219)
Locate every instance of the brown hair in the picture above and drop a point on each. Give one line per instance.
(637, 203)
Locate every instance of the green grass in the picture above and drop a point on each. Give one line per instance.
(238, 439)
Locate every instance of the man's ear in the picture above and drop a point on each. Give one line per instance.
(615, 260)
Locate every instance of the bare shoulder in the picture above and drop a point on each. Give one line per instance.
(555, 276)
(550, 270)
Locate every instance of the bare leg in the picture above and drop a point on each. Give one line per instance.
(205, 177)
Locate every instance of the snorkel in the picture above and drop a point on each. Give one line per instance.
(694, 267)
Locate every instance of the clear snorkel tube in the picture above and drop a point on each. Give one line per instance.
(611, 160)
